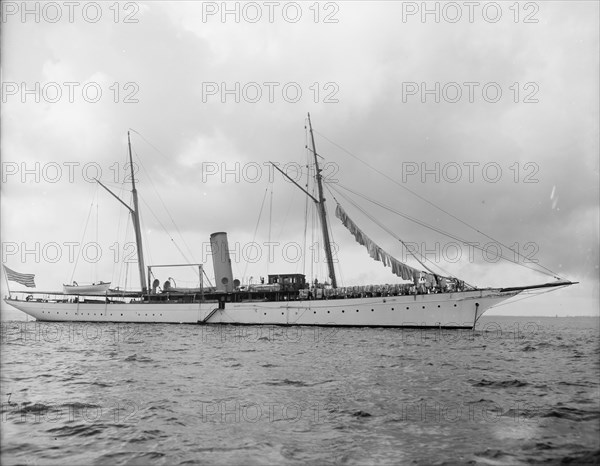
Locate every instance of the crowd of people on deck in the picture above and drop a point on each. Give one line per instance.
(421, 285)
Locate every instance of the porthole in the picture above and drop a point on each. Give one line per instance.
(357, 310)
(343, 310)
(407, 307)
(438, 305)
(455, 305)
(423, 307)
(392, 309)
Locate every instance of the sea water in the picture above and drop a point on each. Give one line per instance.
(515, 391)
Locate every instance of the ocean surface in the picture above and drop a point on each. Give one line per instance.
(518, 390)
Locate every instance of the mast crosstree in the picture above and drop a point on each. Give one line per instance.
(135, 215)
(321, 204)
(431, 301)
(322, 210)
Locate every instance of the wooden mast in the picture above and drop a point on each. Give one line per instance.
(322, 211)
(135, 214)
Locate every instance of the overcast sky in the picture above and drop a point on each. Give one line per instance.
(489, 112)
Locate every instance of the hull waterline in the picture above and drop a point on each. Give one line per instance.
(445, 310)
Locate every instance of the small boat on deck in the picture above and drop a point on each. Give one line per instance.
(422, 298)
(93, 289)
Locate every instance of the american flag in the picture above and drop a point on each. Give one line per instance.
(22, 278)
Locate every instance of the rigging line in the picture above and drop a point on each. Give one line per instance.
(423, 258)
(97, 228)
(292, 197)
(269, 259)
(149, 143)
(284, 223)
(442, 232)
(154, 187)
(84, 232)
(163, 204)
(152, 278)
(306, 199)
(257, 224)
(123, 218)
(317, 235)
(167, 232)
(336, 247)
(204, 272)
(532, 294)
(408, 217)
(145, 239)
(429, 202)
(314, 243)
(125, 261)
(119, 226)
(116, 263)
(126, 273)
(129, 226)
(160, 198)
(321, 266)
(399, 239)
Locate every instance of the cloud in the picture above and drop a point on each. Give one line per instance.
(201, 94)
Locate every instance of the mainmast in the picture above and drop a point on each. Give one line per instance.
(322, 210)
(135, 214)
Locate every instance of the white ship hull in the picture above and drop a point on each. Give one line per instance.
(447, 310)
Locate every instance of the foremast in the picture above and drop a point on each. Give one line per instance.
(322, 210)
(135, 216)
(136, 222)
